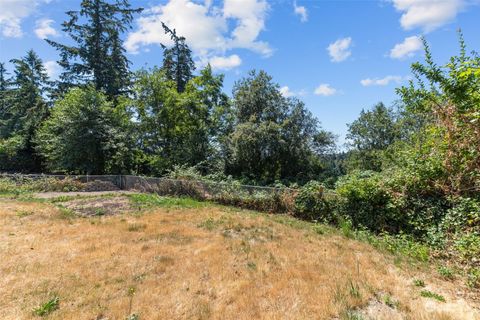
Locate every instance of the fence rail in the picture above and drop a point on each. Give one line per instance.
(262, 198)
(130, 182)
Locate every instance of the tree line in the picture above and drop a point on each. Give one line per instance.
(100, 117)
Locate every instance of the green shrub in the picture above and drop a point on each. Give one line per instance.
(446, 272)
(402, 244)
(468, 246)
(463, 216)
(311, 203)
(366, 201)
(21, 184)
(473, 278)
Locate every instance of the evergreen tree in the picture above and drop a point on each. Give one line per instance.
(5, 98)
(177, 60)
(98, 56)
(25, 111)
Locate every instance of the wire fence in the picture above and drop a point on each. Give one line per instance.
(231, 193)
(149, 184)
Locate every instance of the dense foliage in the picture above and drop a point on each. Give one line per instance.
(428, 179)
(274, 137)
(85, 134)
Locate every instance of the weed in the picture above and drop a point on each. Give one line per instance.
(347, 228)
(66, 213)
(210, 224)
(354, 290)
(164, 260)
(401, 245)
(418, 283)
(445, 272)
(339, 295)
(47, 308)
(351, 315)
(245, 247)
(319, 228)
(390, 301)
(131, 293)
(100, 212)
(291, 222)
(134, 227)
(139, 277)
(252, 265)
(433, 295)
(473, 278)
(133, 316)
(24, 213)
(175, 238)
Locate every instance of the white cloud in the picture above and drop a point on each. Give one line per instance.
(381, 81)
(43, 28)
(285, 91)
(340, 49)
(225, 63)
(301, 11)
(209, 30)
(250, 16)
(53, 69)
(427, 14)
(325, 90)
(407, 48)
(12, 12)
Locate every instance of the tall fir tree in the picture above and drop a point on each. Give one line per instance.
(177, 60)
(98, 56)
(5, 98)
(26, 108)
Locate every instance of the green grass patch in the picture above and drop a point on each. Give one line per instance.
(47, 307)
(24, 213)
(418, 283)
(432, 295)
(66, 214)
(400, 245)
(446, 272)
(145, 201)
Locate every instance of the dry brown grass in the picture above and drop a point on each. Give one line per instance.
(203, 263)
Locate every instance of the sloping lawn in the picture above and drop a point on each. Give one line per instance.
(167, 258)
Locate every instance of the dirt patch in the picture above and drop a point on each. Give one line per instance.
(377, 310)
(98, 206)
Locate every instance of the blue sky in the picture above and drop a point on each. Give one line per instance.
(336, 56)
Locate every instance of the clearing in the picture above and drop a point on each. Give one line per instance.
(136, 256)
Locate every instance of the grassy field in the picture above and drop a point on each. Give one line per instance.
(135, 256)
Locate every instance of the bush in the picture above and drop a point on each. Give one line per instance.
(20, 184)
(366, 201)
(311, 203)
(463, 216)
(268, 201)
